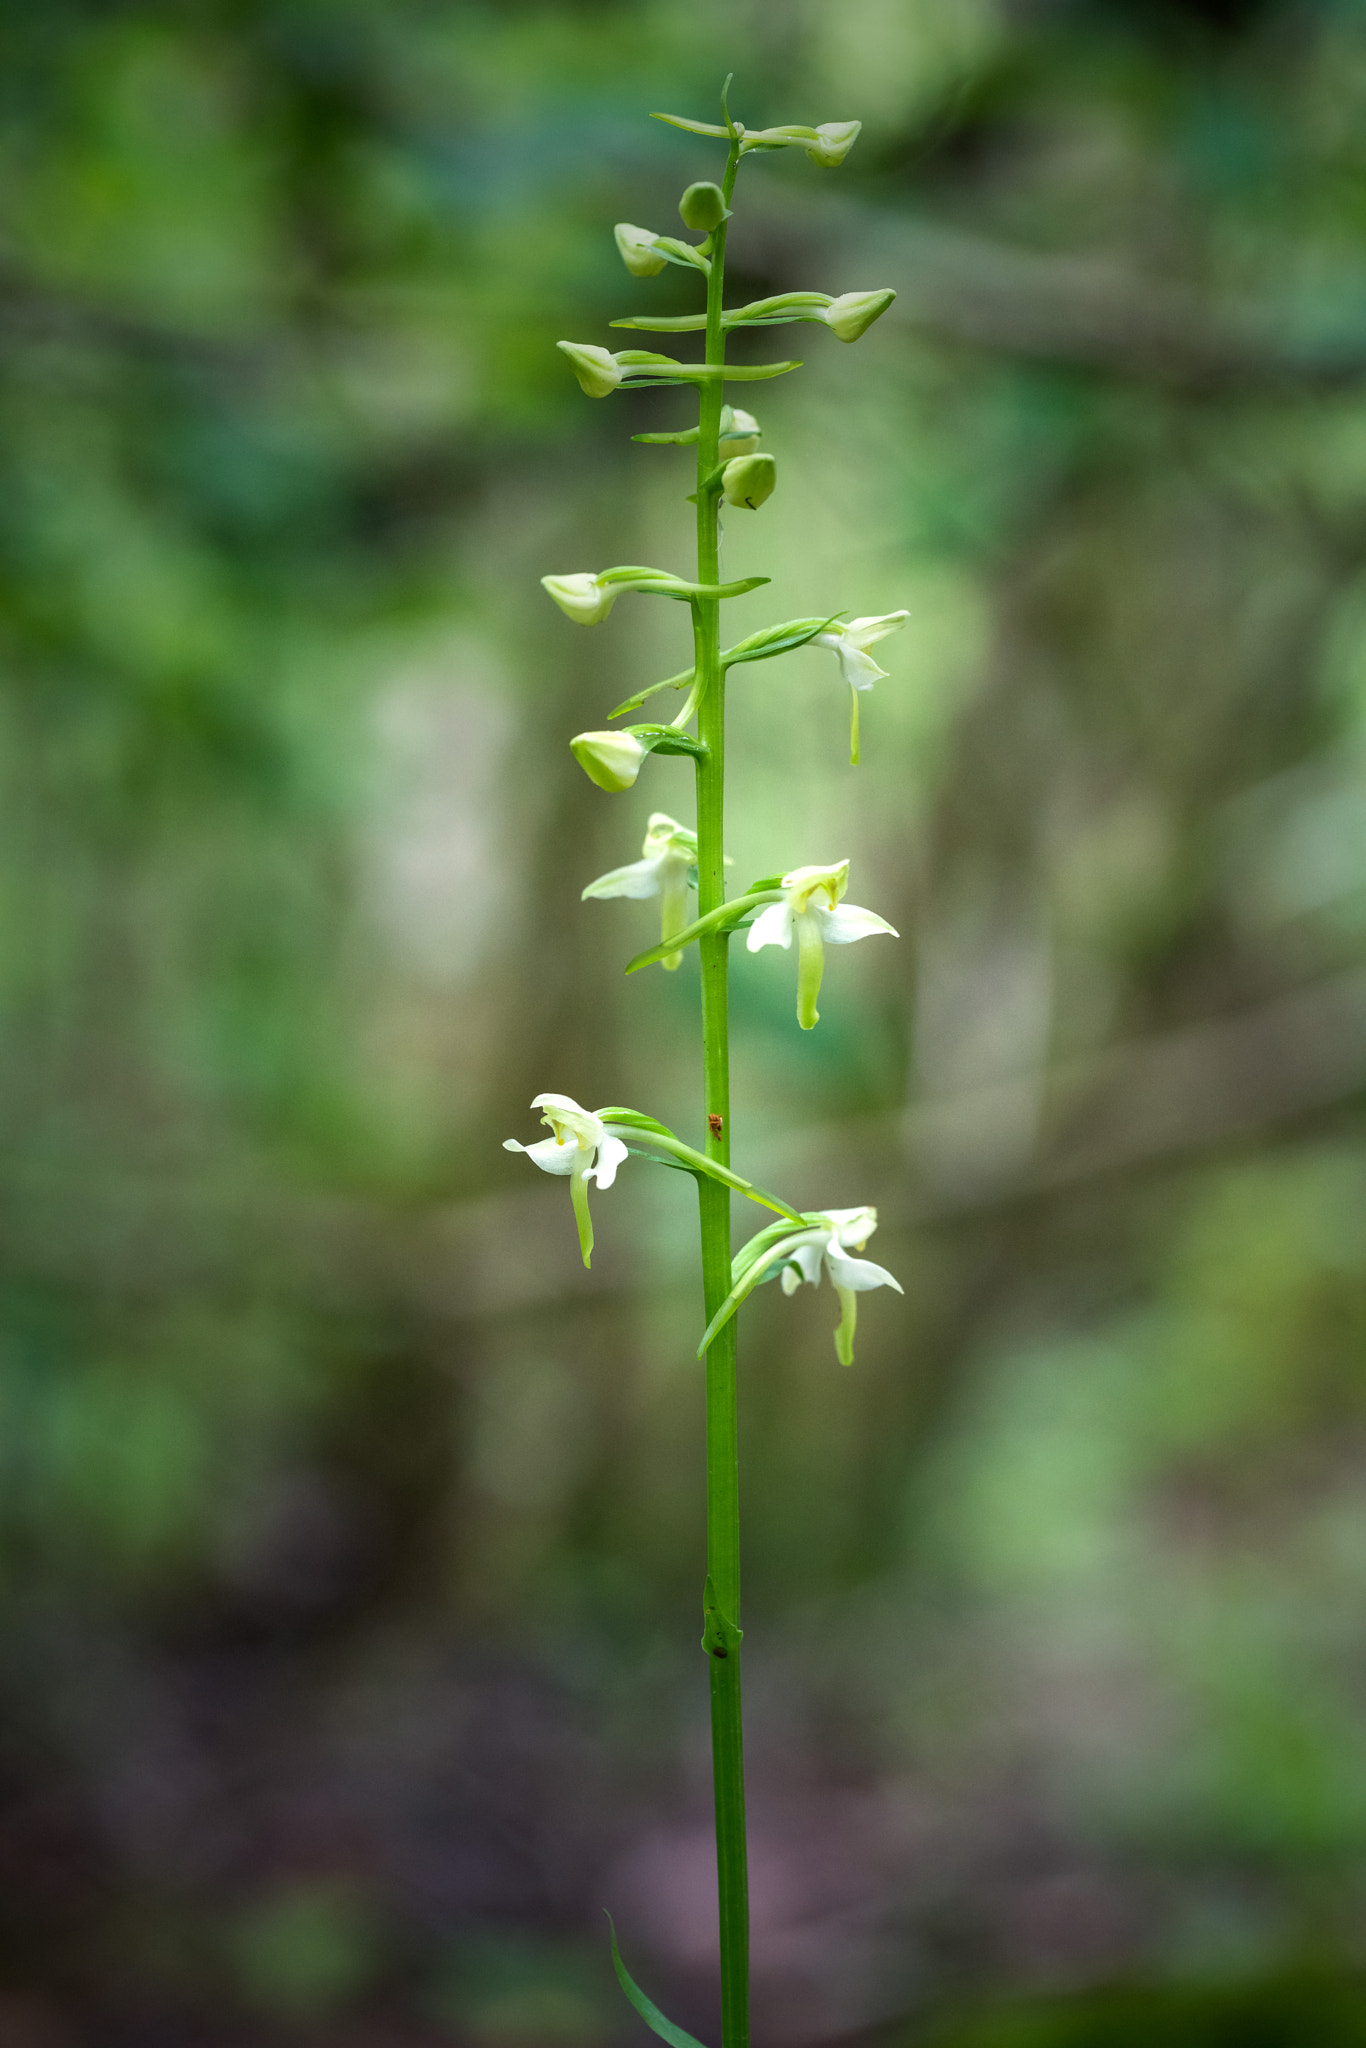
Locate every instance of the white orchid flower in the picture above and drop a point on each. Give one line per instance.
(582, 1146)
(853, 313)
(817, 924)
(850, 645)
(668, 859)
(826, 1241)
(636, 247)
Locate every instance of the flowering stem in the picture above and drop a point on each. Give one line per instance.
(723, 1476)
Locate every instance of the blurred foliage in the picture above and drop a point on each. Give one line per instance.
(349, 1536)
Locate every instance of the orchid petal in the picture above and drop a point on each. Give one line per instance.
(641, 878)
(850, 921)
(549, 1154)
(772, 927)
(857, 1274)
(807, 1258)
(611, 1152)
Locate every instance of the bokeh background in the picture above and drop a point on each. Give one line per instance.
(351, 1533)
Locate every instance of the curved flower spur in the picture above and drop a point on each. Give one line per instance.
(732, 470)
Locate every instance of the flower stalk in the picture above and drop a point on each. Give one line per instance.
(804, 902)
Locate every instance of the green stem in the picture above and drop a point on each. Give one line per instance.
(723, 1473)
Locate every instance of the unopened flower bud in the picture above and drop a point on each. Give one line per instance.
(748, 480)
(834, 141)
(611, 759)
(597, 369)
(581, 597)
(638, 251)
(739, 431)
(854, 313)
(702, 207)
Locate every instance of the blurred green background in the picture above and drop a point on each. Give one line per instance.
(351, 1533)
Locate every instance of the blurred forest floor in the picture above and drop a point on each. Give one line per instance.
(351, 1533)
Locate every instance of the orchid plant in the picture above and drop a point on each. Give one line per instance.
(589, 1146)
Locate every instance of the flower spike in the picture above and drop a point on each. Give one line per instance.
(816, 924)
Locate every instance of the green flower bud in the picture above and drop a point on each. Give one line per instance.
(611, 759)
(702, 207)
(581, 597)
(597, 369)
(638, 251)
(834, 141)
(748, 480)
(739, 431)
(854, 313)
